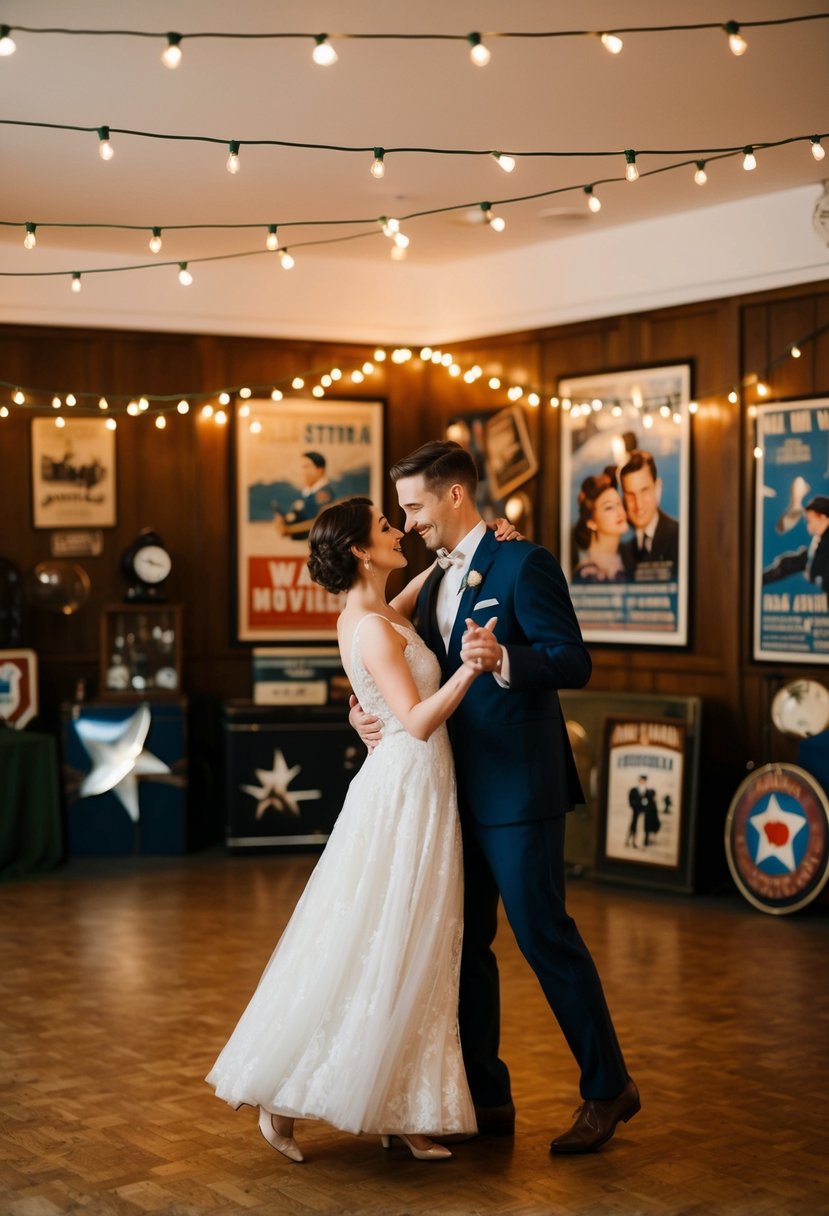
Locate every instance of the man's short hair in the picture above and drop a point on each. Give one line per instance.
(316, 458)
(819, 504)
(442, 463)
(639, 459)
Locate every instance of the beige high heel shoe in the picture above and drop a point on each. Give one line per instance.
(435, 1152)
(286, 1145)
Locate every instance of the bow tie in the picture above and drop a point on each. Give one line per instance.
(445, 559)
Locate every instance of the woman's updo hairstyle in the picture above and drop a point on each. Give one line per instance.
(591, 489)
(333, 532)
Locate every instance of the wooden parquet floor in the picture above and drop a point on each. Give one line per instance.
(120, 980)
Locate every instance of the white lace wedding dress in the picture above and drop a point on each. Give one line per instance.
(355, 1017)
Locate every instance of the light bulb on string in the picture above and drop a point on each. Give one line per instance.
(19, 397)
(245, 393)
(161, 422)
(763, 389)
(390, 227)
(183, 407)
(220, 418)
(401, 241)
(105, 149)
(244, 411)
(758, 453)
(496, 222)
(736, 41)
(276, 394)
(479, 54)
(143, 404)
(317, 391)
(207, 411)
(494, 382)
(255, 427)
(224, 398)
(297, 383)
(76, 281)
(368, 367)
(554, 403)
(7, 44)
(323, 52)
(700, 176)
(286, 259)
(357, 377)
(425, 353)
(60, 422)
(326, 381)
(795, 351)
(30, 240)
(749, 159)
(647, 421)
(818, 150)
(272, 240)
(379, 355)
(71, 400)
(693, 407)
(612, 43)
(436, 356)
(454, 369)
(732, 397)
(506, 162)
(103, 404)
(184, 275)
(378, 167)
(172, 53)
(233, 162)
(111, 424)
(533, 399)
(631, 171)
(594, 203)
(133, 410)
(336, 373)
(56, 403)
(155, 241)
(4, 411)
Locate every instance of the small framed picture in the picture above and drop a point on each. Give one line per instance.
(73, 473)
(646, 831)
(510, 458)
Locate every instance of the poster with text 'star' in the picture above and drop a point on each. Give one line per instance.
(293, 459)
(791, 544)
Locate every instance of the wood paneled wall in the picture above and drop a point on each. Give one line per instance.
(179, 482)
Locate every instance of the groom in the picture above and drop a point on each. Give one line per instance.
(516, 780)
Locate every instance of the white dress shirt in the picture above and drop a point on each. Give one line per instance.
(448, 597)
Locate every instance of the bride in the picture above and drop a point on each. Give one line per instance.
(354, 1020)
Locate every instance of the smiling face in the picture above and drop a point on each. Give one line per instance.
(608, 518)
(440, 518)
(642, 496)
(383, 548)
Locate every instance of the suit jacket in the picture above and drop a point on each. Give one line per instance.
(512, 755)
(797, 562)
(664, 548)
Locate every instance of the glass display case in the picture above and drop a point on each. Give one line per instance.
(140, 651)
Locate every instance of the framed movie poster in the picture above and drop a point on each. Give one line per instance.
(791, 533)
(510, 458)
(625, 491)
(73, 473)
(294, 458)
(645, 833)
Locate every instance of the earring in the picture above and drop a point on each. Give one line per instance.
(367, 564)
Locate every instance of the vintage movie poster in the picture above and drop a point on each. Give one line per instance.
(644, 775)
(791, 540)
(73, 473)
(293, 459)
(625, 503)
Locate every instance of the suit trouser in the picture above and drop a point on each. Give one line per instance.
(525, 863)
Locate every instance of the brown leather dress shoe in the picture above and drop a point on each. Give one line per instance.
(496, 1120)
(596, 1122)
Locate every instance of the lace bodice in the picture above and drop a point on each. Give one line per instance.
(422, 663)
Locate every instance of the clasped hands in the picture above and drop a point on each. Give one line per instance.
(480, 649)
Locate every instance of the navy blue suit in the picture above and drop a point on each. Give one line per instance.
(516, 780)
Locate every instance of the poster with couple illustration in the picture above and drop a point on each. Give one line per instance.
(625, 503)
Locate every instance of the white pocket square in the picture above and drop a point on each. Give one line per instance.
(484, 604)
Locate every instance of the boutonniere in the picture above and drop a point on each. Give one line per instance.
(472, 578)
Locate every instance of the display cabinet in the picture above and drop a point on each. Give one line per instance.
(140, 651)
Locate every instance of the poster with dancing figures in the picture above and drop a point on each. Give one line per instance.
(791, 534)
(73, 473)
(625, 503)
(294, 458)
(643, 814)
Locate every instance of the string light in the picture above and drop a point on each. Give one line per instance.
(323, 52)
(733, 397)
(286, 259)
(105, 149)
(593, 201)
(276, 395)
(478, 53)
(155, 241)
(244, 411)
(111, 424)
(317, 391)
(161, 422)
(7, 44)
(496, 222)
(207, 411)
(143, 404)
(749, 159)
(272, 240)
(71, 400)
(19, 397)
(30, 240)
(631, 172)
(533, 399)
(60, 422)
(763, 389)
(336, 373)
(184, 275)
(758, 453)
(795, 351)
(245, 393)
(221, 418)
(297, 383)
(233, 163)
(818, 150)
(612, 43)
(506, 162)
(171, 55)
(103, 404)
(133, 410)
(255, 427)
(4, 411)
(736, 41)
(693, 407)
(700, 176)
(76, 281)
(378, 167)
(494, 382)
(368, 367)
(183, 407)
(224, 398)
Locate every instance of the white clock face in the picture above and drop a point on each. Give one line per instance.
(152, 564)
(801, 708)
(166, 677)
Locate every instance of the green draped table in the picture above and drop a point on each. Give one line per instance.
(30, 824)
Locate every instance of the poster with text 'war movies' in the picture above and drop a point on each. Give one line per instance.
(791, 540)
(293, 459)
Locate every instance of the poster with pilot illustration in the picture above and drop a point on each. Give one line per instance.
(625, 503)
(791, 536)
(293, 459)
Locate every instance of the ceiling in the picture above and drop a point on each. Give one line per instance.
(665, 91)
